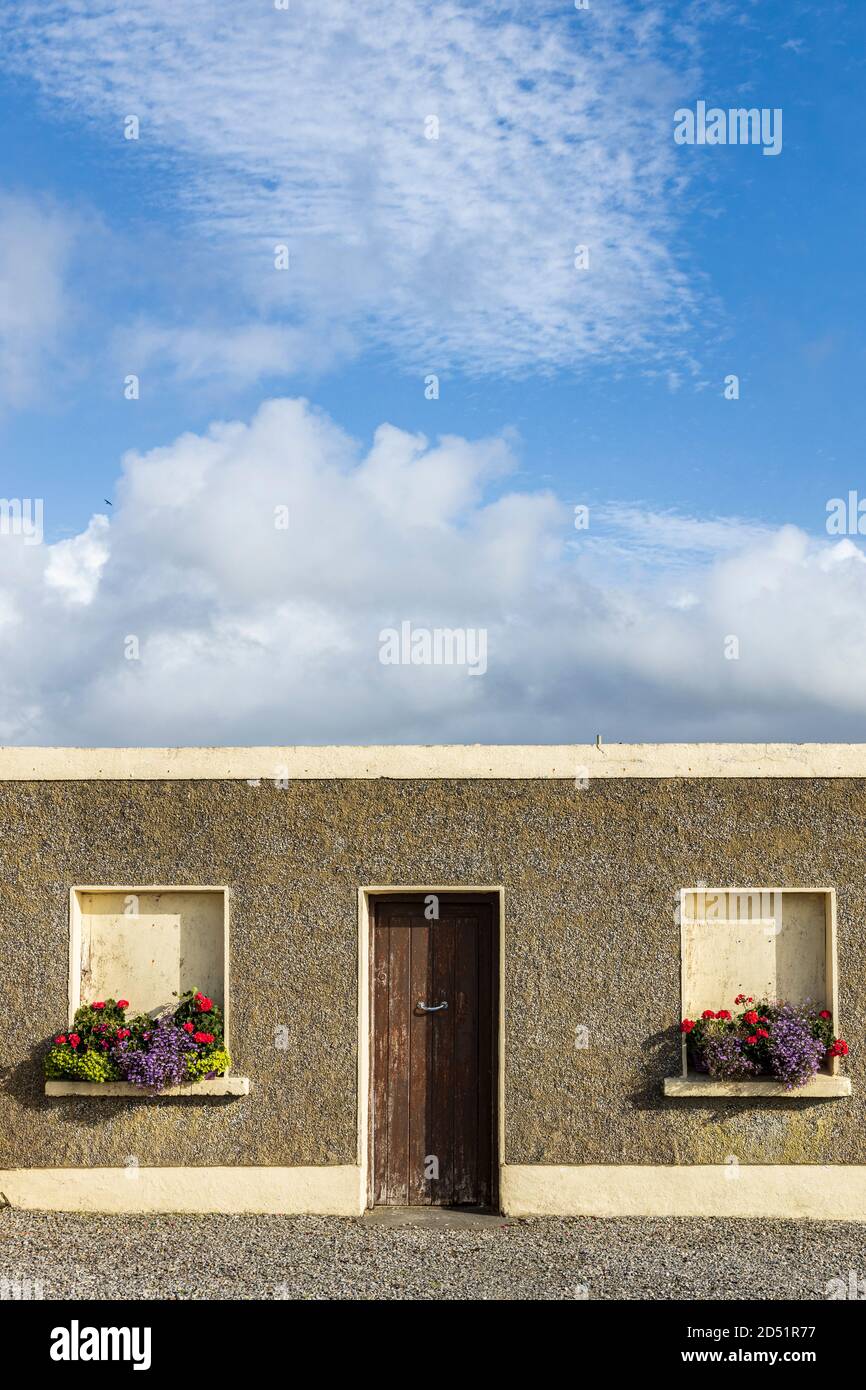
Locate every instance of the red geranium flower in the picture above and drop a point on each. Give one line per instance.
(188, 1026)
(825, 1013)
(205, 1004)
(204, 1037)
(99, 1005)
(74, 1039)
(123, 1032)
(740, 999)
(61, 1038)
(723, 1013)
(752, 1039)
(750, 1017)
(762, 1033)
(687, 1025)
(707, 1013)
(123, 1003)
(839, 1048)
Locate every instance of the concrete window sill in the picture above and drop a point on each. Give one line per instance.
(105, 1090)
(821, 1087)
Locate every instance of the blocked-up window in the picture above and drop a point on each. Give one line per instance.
(147, 945)
(774, 943)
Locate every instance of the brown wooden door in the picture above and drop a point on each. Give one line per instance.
(433, 1092)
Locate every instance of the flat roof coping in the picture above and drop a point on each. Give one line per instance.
(580, 762)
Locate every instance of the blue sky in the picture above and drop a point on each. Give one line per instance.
(777, 244)
(451, 257)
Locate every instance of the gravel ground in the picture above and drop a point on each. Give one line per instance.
(306, 1257)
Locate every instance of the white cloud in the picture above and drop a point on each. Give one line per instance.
(307, 126)
(35, 243)
(74, 566)
(253, 634)
(218, 354)
(669, 534)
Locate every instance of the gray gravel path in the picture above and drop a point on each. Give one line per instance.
(305, 1257)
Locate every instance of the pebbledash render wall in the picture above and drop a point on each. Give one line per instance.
(589, 848)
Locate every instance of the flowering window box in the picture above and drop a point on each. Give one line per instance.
(761, 1048)
(179, 1051)
(771, 953)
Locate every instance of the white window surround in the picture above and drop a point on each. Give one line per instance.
(764, 941)
(205, 954)
(197, 959)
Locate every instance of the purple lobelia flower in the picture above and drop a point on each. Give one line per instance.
(727, 1058)
(163, 1062)
(795, 1053)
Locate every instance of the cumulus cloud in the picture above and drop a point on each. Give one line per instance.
(250, 631)
(74, 566)
(311, 127)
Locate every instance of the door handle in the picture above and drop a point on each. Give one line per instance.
(432, 1008)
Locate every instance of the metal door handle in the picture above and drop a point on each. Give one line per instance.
(431, 1008)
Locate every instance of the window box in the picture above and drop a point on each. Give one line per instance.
(139, 953)
(824, 1086)
(107, 1090)
(761, 943)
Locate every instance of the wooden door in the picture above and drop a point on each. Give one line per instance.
(434, 1072)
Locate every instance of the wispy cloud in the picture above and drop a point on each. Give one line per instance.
(36, 240)
(669, 536)
(309, 127)
(218, 354)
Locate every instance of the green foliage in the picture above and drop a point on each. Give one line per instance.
(101, 1041)
(823, 1029)
(97, 1025)
(760, 1033)
(90, 1050)
(64, 1063)
(207, 1019)
(208, 1062)
(91, 1020)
